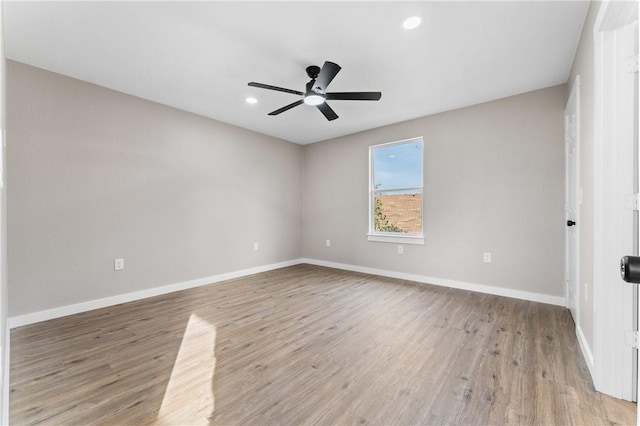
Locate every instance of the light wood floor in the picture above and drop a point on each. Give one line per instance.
(308, 345)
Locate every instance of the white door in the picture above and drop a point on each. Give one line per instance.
(572, 199)
(614, 218)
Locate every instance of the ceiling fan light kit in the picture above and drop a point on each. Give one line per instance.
(316, 94)
(313, 99)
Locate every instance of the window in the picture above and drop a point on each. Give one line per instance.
(395, 192)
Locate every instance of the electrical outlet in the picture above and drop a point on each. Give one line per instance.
(328, 243)
(255, 246)
(118, 264)
(400, 249)
(486, 257)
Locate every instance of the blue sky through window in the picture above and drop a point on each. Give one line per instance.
(398, 165)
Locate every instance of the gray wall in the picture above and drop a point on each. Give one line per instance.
(493, 181)
(584, 66)
(96, 175)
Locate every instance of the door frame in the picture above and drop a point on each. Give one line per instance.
(574, 99)
(613, 236)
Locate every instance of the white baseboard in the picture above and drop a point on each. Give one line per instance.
(63, 311)
(479, 288)
(6, 380)
(586, 349)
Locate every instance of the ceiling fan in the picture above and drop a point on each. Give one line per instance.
(316, 94)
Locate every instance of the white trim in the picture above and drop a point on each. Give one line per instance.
(372, 235)
(398, 239)
(442, 282)
(614, 14)
(6, 389)
(398, 188)
(586, 349)
(574, 98)
(396, 142)
(26, 319)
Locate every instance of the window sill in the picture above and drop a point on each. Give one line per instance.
(396, 239)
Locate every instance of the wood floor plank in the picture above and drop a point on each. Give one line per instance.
(308, 345)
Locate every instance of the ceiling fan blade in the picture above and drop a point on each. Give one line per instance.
(327, 111)
(327, 73)
(279, 89)
(286, 108)
(354, 96)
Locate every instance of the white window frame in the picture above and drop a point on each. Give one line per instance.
(393, 237)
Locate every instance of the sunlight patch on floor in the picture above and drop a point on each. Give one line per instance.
(189, 397)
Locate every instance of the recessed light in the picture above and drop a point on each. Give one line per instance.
(251, 100)
(411, 23)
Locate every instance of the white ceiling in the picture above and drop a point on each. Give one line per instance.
(199, 56)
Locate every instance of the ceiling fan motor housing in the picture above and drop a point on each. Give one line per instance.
(313, 71)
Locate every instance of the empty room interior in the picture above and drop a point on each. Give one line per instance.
(389, 213)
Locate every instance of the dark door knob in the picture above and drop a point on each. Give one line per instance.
(630, 269)
(570, 223)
